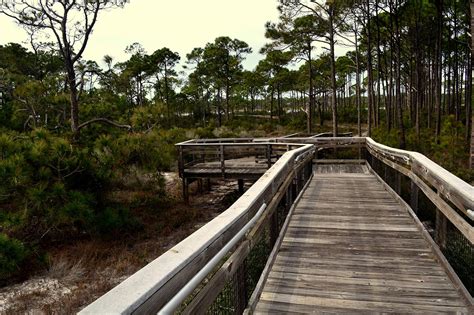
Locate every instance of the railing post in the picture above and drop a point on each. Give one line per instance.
(441, 227)
(269, 155)
(185, 191)
(274, 227)
(241, 185)
(180, 161)
(222, 157)
(289, 197)
(240, 289)
(414, 196)
(398, 183)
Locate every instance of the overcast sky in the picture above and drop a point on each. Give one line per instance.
(178, 25)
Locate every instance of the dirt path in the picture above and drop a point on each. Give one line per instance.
(80, 273)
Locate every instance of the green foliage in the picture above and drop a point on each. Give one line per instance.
(12, 254)
(450, 151)
(146, 117)
(112, 221)
(53, 187)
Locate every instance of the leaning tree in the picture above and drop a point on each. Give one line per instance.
(70, 23)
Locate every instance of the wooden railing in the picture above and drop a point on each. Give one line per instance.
(435, 195)
(228, 286)
(191, 153)
(441, 201)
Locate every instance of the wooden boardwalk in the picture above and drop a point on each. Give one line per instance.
(351, 247)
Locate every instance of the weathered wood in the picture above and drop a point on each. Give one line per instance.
(185, 191)
(332, 161)
(273, 255)
(440, 229)
(414, 198)
(450, 187)
(269, 155)
(441, 258)
(460, 223)
(209, 292)
(370, 255)
(240, 183)
(398, 183)
(222, 158)
(240, 289)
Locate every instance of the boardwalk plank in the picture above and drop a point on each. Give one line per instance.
(349, 251)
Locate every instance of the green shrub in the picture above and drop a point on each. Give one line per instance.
(113, 220)
(12, 254)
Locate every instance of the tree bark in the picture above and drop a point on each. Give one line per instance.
(398, 83)
(358, 100)
(333, 71)
(309, 110)
(439, 23)
(370, 92)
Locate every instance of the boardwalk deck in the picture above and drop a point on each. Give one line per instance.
(238, 168)
(350, 247)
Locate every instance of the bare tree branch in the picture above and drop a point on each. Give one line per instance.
(106, 121)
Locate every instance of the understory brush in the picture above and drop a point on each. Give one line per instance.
(54, 190)
(450, 151)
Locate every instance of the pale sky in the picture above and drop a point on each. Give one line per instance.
(178, 25)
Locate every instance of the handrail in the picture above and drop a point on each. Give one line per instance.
(140, 292)
(174, 303)
(450, 186)
(215, 141)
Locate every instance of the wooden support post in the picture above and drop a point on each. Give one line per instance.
(222, 157)
(269, 155)
(414, 197)
(294, 188)
(289, 197)
(185, 191)
(274, 227)
(398, 183)
(199, 183)
(441, 228)
(241, 185)
(240, 289)
(180, 161)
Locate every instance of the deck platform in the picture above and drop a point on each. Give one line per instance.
(245, 168)
(351, 247)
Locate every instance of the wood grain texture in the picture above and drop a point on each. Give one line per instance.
(351, 248)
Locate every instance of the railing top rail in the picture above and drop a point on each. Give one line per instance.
(291, 135)
(216, 140)
(216, 144)
(320, 140)
(448, 184)
(330, 134)
(137, 289)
